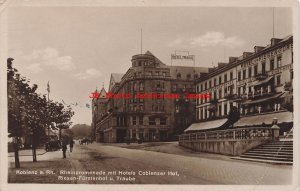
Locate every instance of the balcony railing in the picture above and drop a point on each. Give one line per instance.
(229, 134)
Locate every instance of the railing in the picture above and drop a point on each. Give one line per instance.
(229, 134)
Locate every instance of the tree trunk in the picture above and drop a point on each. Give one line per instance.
(34, 149)
(16, 151)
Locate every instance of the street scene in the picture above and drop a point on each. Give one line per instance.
(150, 95)
(131, 163)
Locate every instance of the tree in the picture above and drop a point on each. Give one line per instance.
(30, 114)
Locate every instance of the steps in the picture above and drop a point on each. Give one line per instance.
(275, 152)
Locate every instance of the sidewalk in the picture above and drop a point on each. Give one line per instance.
(27, 152)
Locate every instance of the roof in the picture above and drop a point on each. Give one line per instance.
(102, 93)
(206, 125)
(241, 59)
(264, 118)
(248, 102)
(156, 59)
(117, 77)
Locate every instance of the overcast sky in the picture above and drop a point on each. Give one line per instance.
(77, 48)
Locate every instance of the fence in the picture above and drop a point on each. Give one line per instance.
(230, 141)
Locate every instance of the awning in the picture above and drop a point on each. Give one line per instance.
(264, 118)
(206, 125)
(258, 82)
(249, 102)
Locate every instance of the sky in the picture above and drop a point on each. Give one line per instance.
(77, 48)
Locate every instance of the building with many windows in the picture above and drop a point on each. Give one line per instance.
(153, 117)
(258, 82)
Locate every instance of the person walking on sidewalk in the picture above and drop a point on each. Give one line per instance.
(64, 147)
(71, 144)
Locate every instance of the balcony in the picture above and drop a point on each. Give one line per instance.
(261, 76)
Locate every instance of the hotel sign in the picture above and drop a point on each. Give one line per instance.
(182, 57)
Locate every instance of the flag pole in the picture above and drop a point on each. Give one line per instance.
(48, 90)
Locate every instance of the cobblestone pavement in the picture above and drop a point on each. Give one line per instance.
(199, 170)
(191, 169)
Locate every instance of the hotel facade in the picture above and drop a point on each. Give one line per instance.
(256, 83)
(149, 119)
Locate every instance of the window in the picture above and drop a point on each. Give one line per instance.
(279, 61)
(255, 70)
(263, 68)
(239, 75)
(188, 76)
(201, 88)
(215, 82)
(244, 74)
(272, 64)
(225, 78)
(140, 120)
(164, 74)
(178, 75)
(140, 63)
(205, 86)
(133, 120)
(215, 95)
(197, 90)
(141, 86)
(220, 93)
(225, 109)
(220, 79)
(278, 80)
(141, 108)
(231, 75)
(249, 72)
(196, 76)
(209, 84)
(163, 121)
(157, 73)
(151, 121)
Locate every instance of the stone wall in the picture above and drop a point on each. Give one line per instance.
(226, 147)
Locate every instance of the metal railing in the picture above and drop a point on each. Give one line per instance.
(248, 133)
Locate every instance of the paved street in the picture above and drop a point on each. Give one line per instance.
(195, 168)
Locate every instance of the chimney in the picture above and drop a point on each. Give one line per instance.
(275, 41)
(258, 48)
(232, 59)
(221, 64)
(247, 54)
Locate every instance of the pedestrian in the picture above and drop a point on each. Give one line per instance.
(64, 147)
(71, 144)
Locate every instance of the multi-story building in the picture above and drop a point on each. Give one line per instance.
(255, 83)
(152, 118)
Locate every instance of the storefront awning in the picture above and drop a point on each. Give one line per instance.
(249, 102)
(257, 82)
(264, 119)
(206, 125)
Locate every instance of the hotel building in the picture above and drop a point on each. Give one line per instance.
(258, 82)
(149, 119)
